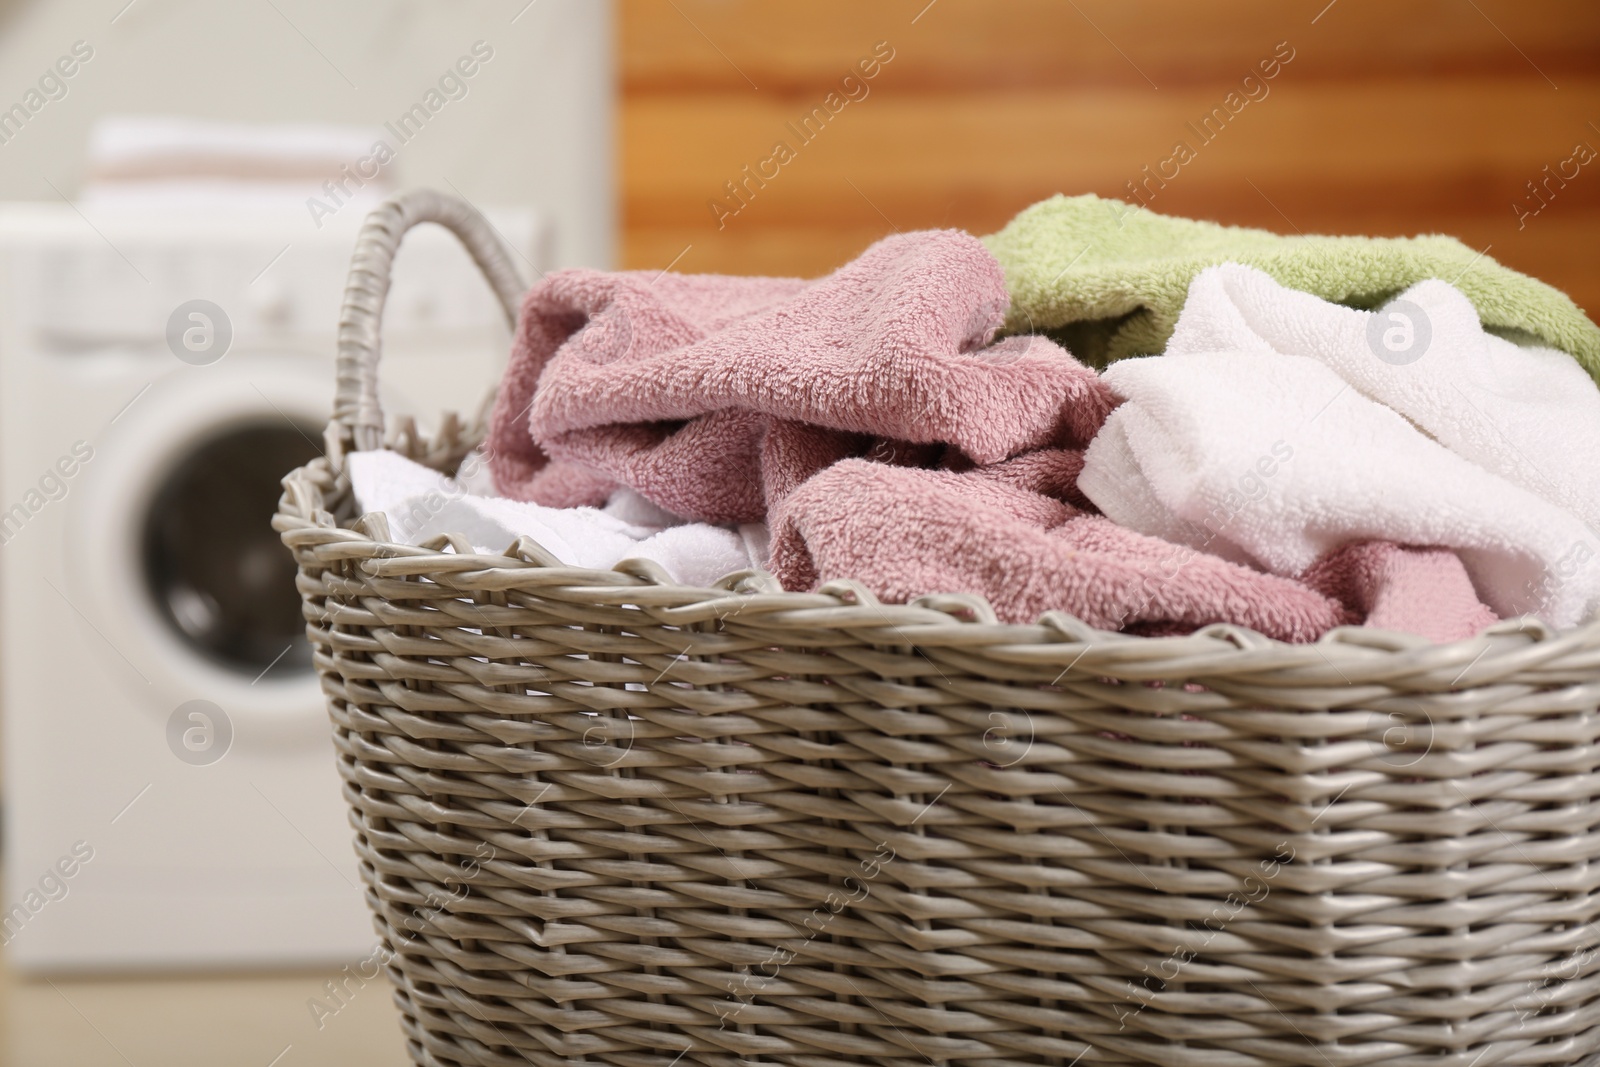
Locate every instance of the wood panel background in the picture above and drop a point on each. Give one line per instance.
(1394, 117)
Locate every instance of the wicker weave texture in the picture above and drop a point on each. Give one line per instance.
(606, 819)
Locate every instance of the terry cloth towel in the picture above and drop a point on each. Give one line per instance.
(1530, 415)
(1006, 533)
(1277, 455)
(1422, 591)
(1389, 587)
(1112, 277)
(714, 397)
(420, 503)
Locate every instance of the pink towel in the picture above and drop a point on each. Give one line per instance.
(1422, 591)
(1005, 533)
(714, 396)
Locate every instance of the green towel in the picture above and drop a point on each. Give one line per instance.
(1108, 278)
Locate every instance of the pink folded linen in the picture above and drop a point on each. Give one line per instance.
(714, 396)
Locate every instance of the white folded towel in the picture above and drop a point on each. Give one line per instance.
(420, 503)
(1530, 415)
(148, 161)
(1276, 454)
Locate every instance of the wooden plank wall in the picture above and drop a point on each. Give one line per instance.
(1393, 117)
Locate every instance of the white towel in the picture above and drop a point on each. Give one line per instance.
(1115, 476)
(419, 503)
(1530, 415)
(157, 161)
(1279, 456)
(178, 144)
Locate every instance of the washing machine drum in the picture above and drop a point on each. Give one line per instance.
(212, 563)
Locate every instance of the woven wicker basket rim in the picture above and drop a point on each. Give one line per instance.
(1347, 656)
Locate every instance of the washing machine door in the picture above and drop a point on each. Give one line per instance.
(173, 531)
(216, 573)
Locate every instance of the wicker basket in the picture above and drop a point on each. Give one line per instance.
(604, 818)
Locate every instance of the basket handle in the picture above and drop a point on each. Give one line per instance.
(357, 421)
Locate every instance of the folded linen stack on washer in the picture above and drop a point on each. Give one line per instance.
(145, 161)
(1270, 468)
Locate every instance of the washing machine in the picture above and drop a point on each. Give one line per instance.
(170, 792)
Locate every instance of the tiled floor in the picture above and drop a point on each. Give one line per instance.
(195, 1021)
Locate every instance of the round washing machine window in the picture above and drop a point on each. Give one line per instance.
(212, 563)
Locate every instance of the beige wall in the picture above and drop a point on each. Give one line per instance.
(535, 127)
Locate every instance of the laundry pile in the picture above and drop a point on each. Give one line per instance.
(1150, 423)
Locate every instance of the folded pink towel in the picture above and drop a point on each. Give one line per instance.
(714, 396)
